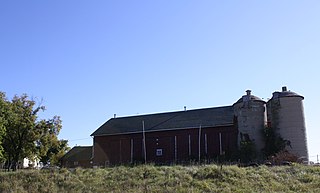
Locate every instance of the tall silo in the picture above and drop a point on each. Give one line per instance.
(250, 112)
(286, 115)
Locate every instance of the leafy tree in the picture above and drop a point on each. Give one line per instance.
(247, 151)
(49, 130)
(60, 151)
(247, 148)
(2, 122)
(274, 143)
(26, 136)
(2, 132)
(55, 151)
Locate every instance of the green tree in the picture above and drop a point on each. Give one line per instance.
(55, 152)
(274, 143)
(2, 132)
(49, 130)
(51, 149)
(26, 136)
(2, 122)
(248, 152)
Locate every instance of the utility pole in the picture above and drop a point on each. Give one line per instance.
(199, 145)
(144, 143)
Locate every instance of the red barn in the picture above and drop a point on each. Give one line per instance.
(173, 137)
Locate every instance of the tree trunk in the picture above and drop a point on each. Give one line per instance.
(8, 165)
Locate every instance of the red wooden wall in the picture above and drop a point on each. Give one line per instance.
(174, 144)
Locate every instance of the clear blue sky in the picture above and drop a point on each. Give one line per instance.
(88, 60)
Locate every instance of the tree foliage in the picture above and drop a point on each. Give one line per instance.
(247, 150)
(274, 143)
(25, 135)
(2, 122)
(55, 151)
(2, 131)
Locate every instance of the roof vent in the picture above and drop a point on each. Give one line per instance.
(284, 89)
(185, 108)
(114, 115)
(248, 92)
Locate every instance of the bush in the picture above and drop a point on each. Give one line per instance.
(283, 157)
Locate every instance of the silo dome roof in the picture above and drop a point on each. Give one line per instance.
(252, 98)
(286, 94)
(249, 97)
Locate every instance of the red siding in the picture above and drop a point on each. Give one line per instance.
(75, 164)
(118, 149)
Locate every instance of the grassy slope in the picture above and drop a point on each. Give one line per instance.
(209, 178)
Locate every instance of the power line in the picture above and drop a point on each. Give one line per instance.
(80, 139)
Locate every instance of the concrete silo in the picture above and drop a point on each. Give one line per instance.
(286, 115)
(250, 112)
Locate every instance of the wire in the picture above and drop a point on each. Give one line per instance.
(80, 139)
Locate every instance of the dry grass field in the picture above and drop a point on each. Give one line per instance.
(150, 178)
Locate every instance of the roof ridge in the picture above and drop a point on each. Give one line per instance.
(171, 112)
(82, 146)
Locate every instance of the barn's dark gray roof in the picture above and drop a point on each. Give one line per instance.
(208, 117)
(78, 153)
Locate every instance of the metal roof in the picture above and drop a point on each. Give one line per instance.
(207, 117)
(252, 98)
(286, 94)
(78, 153)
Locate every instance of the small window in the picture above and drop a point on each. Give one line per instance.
(159, 152)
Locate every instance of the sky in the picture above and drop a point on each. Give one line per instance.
(88, 60)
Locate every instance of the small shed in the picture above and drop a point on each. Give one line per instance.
(78, 156)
